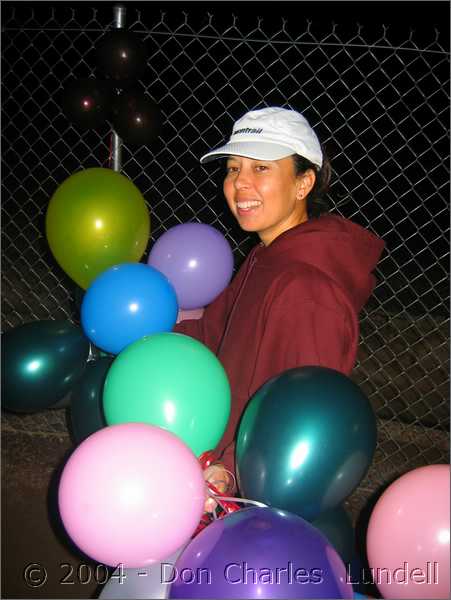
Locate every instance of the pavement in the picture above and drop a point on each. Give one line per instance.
(38, 559)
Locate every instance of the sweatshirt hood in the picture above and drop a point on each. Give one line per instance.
(344, 251)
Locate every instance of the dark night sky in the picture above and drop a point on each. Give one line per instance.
(409, 13)
(415, 113)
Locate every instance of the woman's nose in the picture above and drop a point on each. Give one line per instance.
(242, 181)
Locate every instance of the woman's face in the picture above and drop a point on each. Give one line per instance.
(266, 196)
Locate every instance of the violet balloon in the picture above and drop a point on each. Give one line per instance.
(260, 553)
(197, 260)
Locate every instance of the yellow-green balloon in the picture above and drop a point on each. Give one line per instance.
(97, 218)
(172, 381)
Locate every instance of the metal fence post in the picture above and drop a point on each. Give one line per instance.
(119, 12)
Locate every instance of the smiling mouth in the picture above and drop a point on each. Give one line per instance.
(248, 206)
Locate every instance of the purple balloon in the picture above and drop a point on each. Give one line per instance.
(260, 553)
(197, 260)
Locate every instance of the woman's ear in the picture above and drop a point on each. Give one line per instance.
(305, 184)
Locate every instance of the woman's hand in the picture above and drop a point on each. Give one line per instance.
(194, 313)
(218, 476)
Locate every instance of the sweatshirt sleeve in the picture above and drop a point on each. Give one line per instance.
(303, 331)
(210, 327)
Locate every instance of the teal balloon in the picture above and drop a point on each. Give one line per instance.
(86, 409)
(64, 403)
(41, 362)
(337, 527)
(305, 441)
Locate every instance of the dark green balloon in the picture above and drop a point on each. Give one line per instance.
(305, 441)
(86, 410)
(41, 362)
(337, 527)
(64, 403)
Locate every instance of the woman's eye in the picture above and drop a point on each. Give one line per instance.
(232, 169)
(261, 167)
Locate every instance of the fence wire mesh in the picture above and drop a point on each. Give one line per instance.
(377, 98)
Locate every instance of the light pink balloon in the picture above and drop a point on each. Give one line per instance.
(195, 313)
(408, 536)
(131, 493)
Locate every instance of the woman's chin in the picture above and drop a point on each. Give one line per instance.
(248, 225)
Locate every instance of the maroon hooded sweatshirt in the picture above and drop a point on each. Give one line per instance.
(293, 303)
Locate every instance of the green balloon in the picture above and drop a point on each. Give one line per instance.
(41, 362)
(97, 218)
(336, 525)
(86, 410)
(172, 381)
(305, 441)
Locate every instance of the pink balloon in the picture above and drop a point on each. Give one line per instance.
(408, 538)
(131, 493)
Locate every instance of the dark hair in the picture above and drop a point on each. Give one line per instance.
(317, 204)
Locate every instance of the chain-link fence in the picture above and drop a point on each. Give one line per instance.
(379, 102)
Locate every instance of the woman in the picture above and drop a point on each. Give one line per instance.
(296, 299)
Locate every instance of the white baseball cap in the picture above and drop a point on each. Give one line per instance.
(271, 134)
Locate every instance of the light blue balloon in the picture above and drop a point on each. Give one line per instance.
(147, 582)
(125, 303)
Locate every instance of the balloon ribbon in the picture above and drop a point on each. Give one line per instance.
(225, 505)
